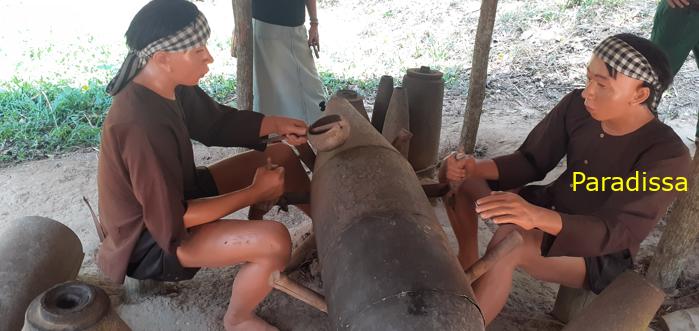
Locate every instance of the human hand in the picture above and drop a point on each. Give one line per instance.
(268, 183)
(508, 207)
(313, 38)
(293, 130)
(460, 166)
(678, 3)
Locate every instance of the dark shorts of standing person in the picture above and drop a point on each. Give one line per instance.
(149, 261)
(600, 271)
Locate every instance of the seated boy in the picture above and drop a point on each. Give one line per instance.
(162, 215)
(577, 233)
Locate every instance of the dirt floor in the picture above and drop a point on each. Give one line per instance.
(54, 188)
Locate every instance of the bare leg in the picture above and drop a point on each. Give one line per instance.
(493, 288)
(237, 172)
(464, 220)
(264, 247)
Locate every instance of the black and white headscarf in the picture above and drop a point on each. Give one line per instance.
(193, 35)
(625, 59)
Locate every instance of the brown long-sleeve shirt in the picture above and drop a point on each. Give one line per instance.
(595, 223)
(146, 165)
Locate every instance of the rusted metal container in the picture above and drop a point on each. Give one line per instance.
(425, 89)
(385, 259)
(35, 254)
(383, 98)
(396, 127)
(570, 302)
(354, 98)
(73, 306)
(627, 304)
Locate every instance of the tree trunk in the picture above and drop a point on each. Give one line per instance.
(242, 50)
(479, 72)
(678, 237)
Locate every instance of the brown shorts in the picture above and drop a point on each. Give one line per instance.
(602, 270)
(149, 261)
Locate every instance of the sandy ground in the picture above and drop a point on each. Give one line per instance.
(54, 188)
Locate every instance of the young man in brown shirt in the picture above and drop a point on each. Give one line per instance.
(581, 230)
(161, 215)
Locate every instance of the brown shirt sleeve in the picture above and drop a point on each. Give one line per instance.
(544, 147)
(627, 217)
(150, 155)
(214, 124)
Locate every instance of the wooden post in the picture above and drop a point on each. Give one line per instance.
(678, 237)
(242, 50)
(479, 72)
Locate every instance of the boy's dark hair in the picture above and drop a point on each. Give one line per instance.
(158, 19)
(655, 56)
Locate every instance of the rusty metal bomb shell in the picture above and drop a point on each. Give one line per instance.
(74, 306)
(354, 98)
(383, 98)
(627, 304)
(397, 118)
(385, 258)
(35, 254)
(425, 89)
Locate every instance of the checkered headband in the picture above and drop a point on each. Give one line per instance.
(630, 62)
(193, 35)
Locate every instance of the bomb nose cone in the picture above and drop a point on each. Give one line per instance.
(328, 132)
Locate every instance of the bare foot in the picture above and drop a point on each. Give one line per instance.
(253, 324)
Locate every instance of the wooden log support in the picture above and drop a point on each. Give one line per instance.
(479, 73)
(282, 283)
(679, 236)
(242, 50)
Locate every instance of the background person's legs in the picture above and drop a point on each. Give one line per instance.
(237, 172)
(675, 32)
(493, 288)
(264, 247)
(285, 80)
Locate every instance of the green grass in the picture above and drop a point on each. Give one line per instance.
(220, 87)
(333, 82)
(39, 119)
(588, 3)
(48, 112)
